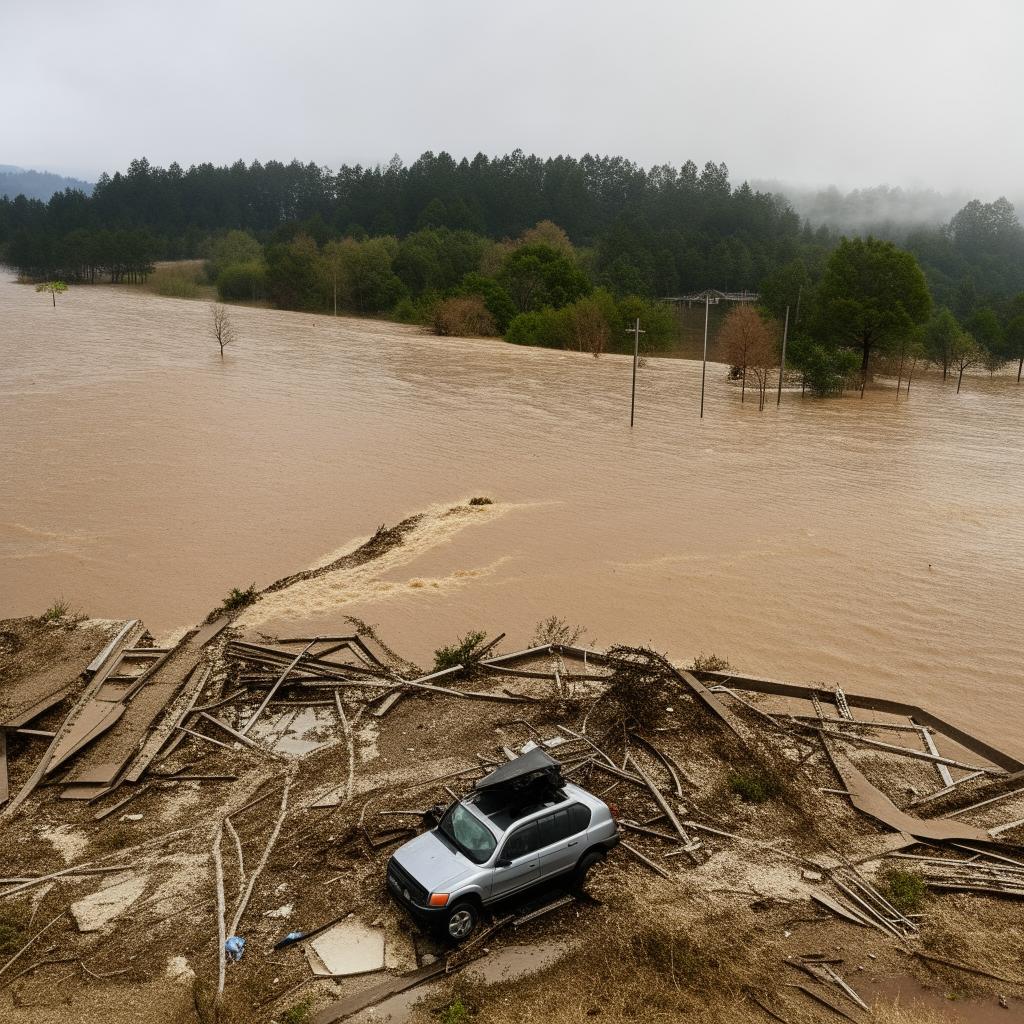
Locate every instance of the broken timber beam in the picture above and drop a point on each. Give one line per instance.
(892, 748)
(689, 845)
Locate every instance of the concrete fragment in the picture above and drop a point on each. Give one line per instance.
(348, 948)
(92, 913)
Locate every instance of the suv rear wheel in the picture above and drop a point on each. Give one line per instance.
(461, 920)
(586, 862)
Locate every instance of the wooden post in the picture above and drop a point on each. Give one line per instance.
(704, 365)
(636, 332)
(782, 363)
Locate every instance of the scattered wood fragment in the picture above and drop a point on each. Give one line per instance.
(113, 809)
(645, 860)
(824, 1002)
(42, 931)
(244, 901)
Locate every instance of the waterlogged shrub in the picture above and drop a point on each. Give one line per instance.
(237, 599)
(464, 316)
(177, 282)
(243, 282)
(549, 327)
(460, 653)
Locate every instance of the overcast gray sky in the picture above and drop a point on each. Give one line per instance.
(856, 92)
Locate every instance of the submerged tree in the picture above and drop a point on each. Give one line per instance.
(744, 333)
(1014, 339)
(761, 360)
(870, 295)
(939, 337)
(54, 288)
(966, 352)
(221, 329)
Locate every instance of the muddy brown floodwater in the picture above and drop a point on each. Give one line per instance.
(874, 543)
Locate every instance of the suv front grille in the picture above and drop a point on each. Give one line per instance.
(404, 886)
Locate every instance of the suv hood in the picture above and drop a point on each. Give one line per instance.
(433, 864)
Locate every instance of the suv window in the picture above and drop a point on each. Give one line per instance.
(523, 841)
(580, 817)
(554, 827)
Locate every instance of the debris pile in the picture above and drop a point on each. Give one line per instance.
(214, 816)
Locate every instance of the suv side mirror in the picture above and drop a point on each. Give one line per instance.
(503, 862)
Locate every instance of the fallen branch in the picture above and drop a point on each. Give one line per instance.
(218, 867)
(645, 860)
(238, 850)
(244, 901)
(41, 931)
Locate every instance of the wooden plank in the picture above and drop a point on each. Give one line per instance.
(929, 797)
(985, 803)
(92, 721)
(277, 684)
(97, 663)
(873, 802)
(210, 631)
(965, 739)
(644, 859)
(238, 736)
(42, 705)
(100, 815)
(947, 779)
(196, 681)
(892, 748)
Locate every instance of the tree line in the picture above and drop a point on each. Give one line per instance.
(557, 251)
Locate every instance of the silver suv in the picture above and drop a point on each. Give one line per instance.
(521, 825)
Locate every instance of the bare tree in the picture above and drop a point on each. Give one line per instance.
(761, 361)
(221, 328)
(966, 352)
(744, 334)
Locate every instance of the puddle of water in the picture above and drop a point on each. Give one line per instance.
(911, 994)
(296, 731)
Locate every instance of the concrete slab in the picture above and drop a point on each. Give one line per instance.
(94, 912)
(348, 948)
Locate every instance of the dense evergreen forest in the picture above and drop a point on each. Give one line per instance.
(504, 245)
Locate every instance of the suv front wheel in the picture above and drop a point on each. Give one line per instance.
(461, 920)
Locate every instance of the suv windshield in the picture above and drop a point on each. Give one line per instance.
(470, 835)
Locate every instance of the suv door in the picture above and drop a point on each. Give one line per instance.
(520, 847)
(561, 836)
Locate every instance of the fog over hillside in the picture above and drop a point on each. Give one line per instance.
(878, 207)
(16, 181)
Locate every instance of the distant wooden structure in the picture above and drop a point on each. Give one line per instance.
(712, 297)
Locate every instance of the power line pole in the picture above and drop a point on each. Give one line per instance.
(704, 366)
(782, 363)
(636, 332)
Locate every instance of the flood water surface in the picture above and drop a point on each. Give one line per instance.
(874, 543)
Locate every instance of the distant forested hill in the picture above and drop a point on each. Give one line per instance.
(374, 238)
(16, 181)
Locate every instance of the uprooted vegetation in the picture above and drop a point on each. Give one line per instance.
(238, 599)
(291, 769)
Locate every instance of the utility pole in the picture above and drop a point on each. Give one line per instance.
(636, 332)
(704, 365)
(782, 363)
